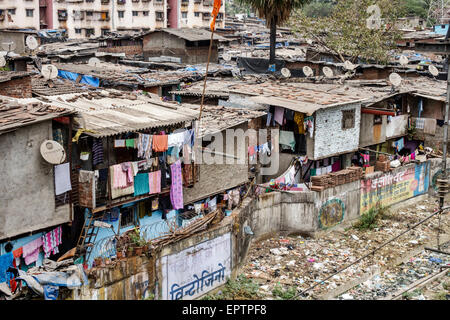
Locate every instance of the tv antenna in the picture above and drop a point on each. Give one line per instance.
(395, 79)
(49, 71)
(286, 72)
(328, 72)
(433, 70)
(308, 71)
(94, 62)
(31, 43)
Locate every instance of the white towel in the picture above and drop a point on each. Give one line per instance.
(62, 178)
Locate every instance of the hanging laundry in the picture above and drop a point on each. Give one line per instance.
(144, 146)
(141, 184)
(119, 143)
(429, 126)
(176, 188)
(18, 252)
(420, 123)
(289, 115)
(187, 150)
(160, 143)
(31, 250)
(309, 124)
(299, 119)
(336, 166)
(120, 177)
(128, 169)
(399, 144)
(269, 119)
(51, 241)
(62, 178)
(129, 143)
(279, 115)
(287, 140)
(6, 261)
(97, 151)
(187, 174)
(176, 139)
(58, 136)
(154, 182)
(135, 168)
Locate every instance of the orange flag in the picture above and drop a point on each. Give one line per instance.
(217, 5)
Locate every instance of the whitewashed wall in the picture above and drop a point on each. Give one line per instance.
(329, 137)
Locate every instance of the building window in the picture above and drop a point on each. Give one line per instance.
(197, 14)
(159, 15)
(77, 31)
(377, 119)
(184, 15)
(127, 217)
(135, 13)
(89, 13)
(348, 119)
(121, 14)
(29, 12)
(12, 11)
(90, 32)
(145, 13)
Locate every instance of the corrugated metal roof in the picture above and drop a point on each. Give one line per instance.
(113, 112)
(191, 34)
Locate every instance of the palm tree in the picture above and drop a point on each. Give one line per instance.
(276, 12)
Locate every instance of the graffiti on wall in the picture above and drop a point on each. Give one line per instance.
(331, 213)
(196, 270)
(392, 188)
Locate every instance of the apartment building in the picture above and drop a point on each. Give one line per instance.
(193, 13)
(86, 18)
(20, 14)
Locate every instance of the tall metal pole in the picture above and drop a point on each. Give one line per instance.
(444, 151)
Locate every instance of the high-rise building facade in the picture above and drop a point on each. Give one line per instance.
(85, 18)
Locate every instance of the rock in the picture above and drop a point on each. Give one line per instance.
(414, 242)
(355, 237)
(347, 296)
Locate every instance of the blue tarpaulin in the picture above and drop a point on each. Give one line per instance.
(72, 76)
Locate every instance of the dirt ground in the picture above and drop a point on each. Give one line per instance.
(282, 265)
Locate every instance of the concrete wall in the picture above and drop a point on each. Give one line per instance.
(131, 279)
(329, 137)
(27, 193)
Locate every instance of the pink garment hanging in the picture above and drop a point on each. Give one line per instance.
(31, 251)
(336, 166)
(120, 177)
(279, 115)
(51, 240)
(154, 182)
(176, 189)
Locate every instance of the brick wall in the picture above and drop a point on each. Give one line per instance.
(128, 50)
(17, 88)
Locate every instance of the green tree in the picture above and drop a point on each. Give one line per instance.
(276, 12)
(347, 33)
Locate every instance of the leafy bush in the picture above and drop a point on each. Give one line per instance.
(242, 288)
(280, 293)
(369, 219)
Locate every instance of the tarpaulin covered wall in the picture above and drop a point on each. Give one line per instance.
(258, 65)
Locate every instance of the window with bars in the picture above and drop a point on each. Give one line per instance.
(348, 119)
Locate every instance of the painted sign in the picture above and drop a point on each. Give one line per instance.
(392, 188)
(331, 213)
(196, 270)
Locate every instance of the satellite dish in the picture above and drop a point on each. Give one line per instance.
(327, 72)
(31, 42)
(53, 152)
(395, 79)
(286, 72)
(8, 46)
(403, 60)
(348, 65)
(433, 70)
(2, 61)
(94, 62)
(226, 57)
(308, 71)
(49, 71)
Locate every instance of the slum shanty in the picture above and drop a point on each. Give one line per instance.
(166, 159)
